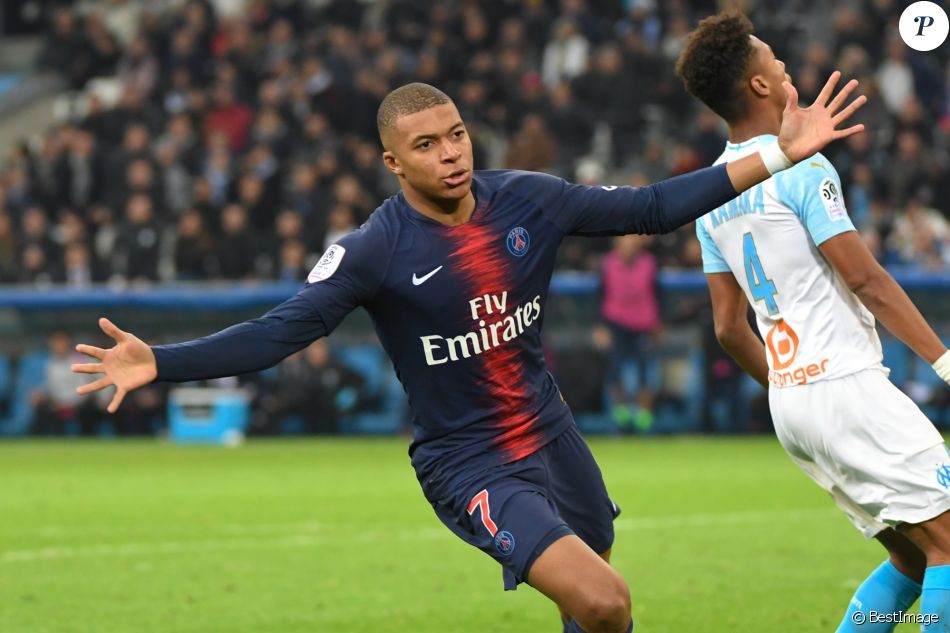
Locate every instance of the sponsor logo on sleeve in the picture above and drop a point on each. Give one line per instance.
(327, 264)
(831, 198)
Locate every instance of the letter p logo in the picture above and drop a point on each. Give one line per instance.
(924, 21)
(924, 26)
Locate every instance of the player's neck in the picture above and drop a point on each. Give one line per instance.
(758, 122)
(449, 212)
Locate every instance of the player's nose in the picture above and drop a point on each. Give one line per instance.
(450, 153)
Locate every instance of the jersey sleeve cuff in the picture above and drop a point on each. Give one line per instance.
(716, 267)
(826, 234)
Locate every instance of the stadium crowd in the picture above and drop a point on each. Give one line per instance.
(235, 140)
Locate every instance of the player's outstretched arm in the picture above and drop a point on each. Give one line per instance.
(128, 365)
(804, 132)
(339, 283)
(249, 346)
(669, 204)
(852, 260)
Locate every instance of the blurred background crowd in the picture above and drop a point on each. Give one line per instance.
(233, 140)
(236, 139)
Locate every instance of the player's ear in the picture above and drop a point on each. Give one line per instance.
(759, 86)
(392, 163)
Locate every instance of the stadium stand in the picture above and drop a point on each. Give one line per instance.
(202, 142)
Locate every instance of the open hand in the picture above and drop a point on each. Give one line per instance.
(128, 365)
(806, 130)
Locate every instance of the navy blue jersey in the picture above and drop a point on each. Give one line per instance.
(459, 309)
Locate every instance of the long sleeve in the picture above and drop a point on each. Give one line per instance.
(245, 347)
(658, 208)
(347, 276)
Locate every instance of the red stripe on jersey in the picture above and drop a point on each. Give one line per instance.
(484, 264)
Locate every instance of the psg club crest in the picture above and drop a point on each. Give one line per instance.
(504, 543)
(518, 241)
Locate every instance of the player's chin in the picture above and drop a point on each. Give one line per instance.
(456, 192)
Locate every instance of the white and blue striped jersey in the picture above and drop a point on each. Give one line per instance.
(813, 326)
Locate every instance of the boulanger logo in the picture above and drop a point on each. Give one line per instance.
(782, 342)
(924, 26)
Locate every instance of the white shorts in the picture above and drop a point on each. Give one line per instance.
(865, 442)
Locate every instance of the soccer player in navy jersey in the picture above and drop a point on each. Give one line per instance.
(454, 271)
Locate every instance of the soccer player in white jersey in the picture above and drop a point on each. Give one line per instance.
(788, 248)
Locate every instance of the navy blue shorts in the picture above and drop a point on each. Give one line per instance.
(514, 512)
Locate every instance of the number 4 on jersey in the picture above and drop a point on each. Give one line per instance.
(761, 287)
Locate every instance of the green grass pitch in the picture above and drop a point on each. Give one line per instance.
(716, 535)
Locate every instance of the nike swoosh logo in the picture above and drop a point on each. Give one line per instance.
(418, 281)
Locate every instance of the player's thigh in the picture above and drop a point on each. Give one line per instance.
(904, 554)
(933, 537)
(578, 579)
(576, 485)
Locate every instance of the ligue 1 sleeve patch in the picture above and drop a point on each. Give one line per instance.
(831, 198)
(327, 264)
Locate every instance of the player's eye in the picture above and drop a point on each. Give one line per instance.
(425, 145)
(459, 133)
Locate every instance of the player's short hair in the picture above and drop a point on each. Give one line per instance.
(715, 60)
(408, 99)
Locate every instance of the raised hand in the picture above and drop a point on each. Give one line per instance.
(806, 130)
(128, 365)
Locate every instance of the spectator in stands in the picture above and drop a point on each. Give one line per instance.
(291, 262)
(230, 117)
(237, 249)
(630, 308)
(195, 257)
(348, 192)
(342, 220)
(34, 227)
(565, 55)
(907, 171)
(137, 241)
(64, 50)
(315, 387)
(84, 170)
(8, 249)
(303, 195)
(138, 68)
(35, 268)
(77, 265)
(921, 235)
(895, 77)
(175, 185)
(57, 403)
(571, 124)
(532, 147)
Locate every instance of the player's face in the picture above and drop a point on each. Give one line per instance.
(772, 71)
(430, 151)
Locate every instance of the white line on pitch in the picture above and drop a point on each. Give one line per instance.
(720, 518)
(311, 534)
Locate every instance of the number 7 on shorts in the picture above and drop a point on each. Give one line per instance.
(480, 501)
